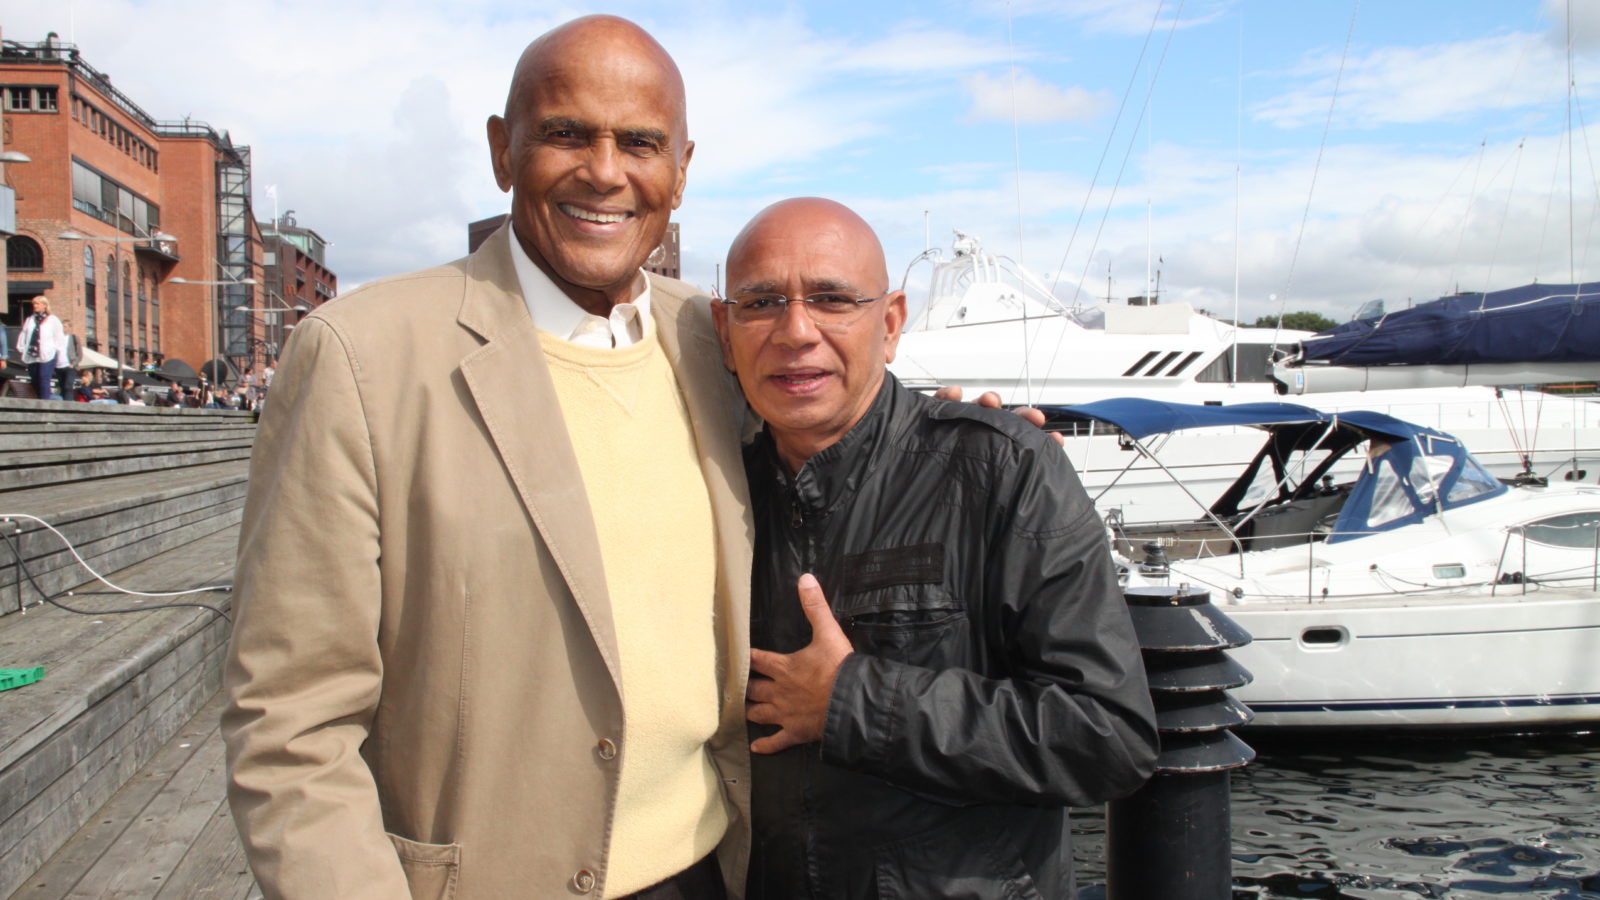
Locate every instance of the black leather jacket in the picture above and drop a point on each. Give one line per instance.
(996, 679)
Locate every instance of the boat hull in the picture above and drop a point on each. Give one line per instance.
(1509, 661)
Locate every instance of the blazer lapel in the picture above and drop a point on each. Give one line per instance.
(530, 433)
(716, 409)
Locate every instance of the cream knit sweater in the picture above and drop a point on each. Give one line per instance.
(636, 450)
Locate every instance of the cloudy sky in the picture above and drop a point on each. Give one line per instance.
(1339, 152)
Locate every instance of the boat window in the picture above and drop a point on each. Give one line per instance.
(1428, 474)
(1475, 481)
(1254, 364)
(1580, 529)
(1262, 486)
(1389, 499)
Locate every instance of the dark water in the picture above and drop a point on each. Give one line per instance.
(1458, 818)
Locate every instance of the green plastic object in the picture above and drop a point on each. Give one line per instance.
(15, 678)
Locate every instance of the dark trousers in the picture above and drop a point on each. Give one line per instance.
(701, 881)
(44, 378)
(69, 381)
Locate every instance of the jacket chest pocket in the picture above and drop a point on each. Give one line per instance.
(895, 605)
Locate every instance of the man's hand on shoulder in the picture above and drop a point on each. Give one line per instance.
(794, 690)
(992, 400)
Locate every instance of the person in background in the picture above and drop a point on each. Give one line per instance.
(67, 360)
(959, 666)
(41, 343)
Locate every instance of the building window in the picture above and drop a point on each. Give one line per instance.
(23, 254)
(155, 317)
(144, 314)
(29, 98)
(91, 325)
(127, 309)
(113, 309)
(112, 203)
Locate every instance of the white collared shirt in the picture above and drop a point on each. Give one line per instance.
(557, 314)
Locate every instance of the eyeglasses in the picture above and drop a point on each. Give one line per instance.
(828, 309)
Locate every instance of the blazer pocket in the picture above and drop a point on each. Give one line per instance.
(431, 869)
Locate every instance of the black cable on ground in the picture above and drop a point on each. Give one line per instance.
(47, 598)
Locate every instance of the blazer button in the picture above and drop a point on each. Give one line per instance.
(607, 749)
(583, 881)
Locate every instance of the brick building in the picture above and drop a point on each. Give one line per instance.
(295, 277)
(140, 230)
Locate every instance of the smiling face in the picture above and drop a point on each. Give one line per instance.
(810, 384)
(594, 150)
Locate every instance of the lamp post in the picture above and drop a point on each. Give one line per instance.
(217, 342)
(271, 315)
(155, 237)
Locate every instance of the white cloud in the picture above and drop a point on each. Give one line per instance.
(1431, 83)
(1124, 17)
(1035, 100)
(1585, 18)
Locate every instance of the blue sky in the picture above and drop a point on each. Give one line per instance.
(1445, 160)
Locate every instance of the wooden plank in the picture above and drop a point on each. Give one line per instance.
(61, 504)
(53, 456)
(36, 476)
(23, 409)
(159, 837)
(69, 865)
(69, 755)
(101, 438)
(215, 866)
(65, 811)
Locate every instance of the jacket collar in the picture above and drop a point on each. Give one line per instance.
(836, 473)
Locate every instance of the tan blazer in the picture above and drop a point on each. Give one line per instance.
(423, 663)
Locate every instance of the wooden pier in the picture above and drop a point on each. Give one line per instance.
(111, 777)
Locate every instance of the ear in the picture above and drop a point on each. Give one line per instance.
(894, 323)
(719, 319)
(500, 151)
(683, 175)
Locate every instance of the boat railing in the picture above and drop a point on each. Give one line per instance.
(1181, 541)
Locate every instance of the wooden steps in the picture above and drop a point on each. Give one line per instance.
(151, 498)
(166, 835)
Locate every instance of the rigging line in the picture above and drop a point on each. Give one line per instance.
(1549, 207)
(1128, 153)
(1112, 196)
(1572, 90)
(1322, 146)
(1505, 214)
(1452, 285)
(1588, 153)
(1055, 353)
(1110, 136)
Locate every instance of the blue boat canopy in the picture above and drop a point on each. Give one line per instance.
(1412, 472)
(1140, 417)
(1551, 323)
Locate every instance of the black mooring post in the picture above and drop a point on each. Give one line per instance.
(1172, 839)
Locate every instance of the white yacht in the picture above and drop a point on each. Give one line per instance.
(988, 324)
